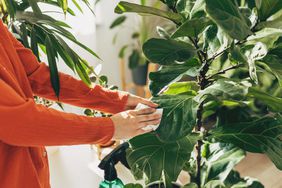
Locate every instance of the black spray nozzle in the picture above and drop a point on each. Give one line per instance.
(109, 162)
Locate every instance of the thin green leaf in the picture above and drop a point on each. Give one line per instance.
(34, 6)
(123, 7)
(118, 21)
(24, 35)
(51, 55)
(34, 43)
(274, 103)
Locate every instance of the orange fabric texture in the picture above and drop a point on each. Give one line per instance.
(25, 127)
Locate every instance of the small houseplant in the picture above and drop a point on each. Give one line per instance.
(232, 105)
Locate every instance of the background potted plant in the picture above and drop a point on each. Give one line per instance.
(142, 29)
(233, 104)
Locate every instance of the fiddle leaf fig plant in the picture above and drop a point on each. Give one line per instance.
(219, 83)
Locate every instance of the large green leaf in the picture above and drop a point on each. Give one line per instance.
(237, 55)
(267, 36)
(220, 161)
(274, 22)
(191, 28)
(274, 57)
(266, 8)
(225, 89)
(274, 103)
(227, 15)
(165, 52)
(190, 87)
(235, 181)
(211, 40)
(191, 8)
(123, 7)
(274, 62)
(171, 73)
(150, 155)
(179, 116)
(259, 136)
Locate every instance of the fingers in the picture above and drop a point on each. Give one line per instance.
(144, 111)
(148, 103)
(145, 124)
(141, 131)
(147, 118)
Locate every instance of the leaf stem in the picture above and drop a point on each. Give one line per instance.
(199, 144)
(223, 51)
(225, 70)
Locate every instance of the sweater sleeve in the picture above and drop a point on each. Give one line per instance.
(24, 123)
(72, 91)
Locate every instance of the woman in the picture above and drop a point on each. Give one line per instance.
(25, 127)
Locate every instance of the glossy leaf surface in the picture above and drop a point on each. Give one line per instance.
(259, 136)
(179, 116)
(227, 15)
(166, 52)
(150, 155)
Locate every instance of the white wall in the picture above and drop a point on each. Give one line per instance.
(105, 47)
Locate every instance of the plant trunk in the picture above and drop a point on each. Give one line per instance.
(199, 145)
(203, 82)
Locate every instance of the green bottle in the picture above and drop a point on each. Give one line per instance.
(111, 184)
(111, 179)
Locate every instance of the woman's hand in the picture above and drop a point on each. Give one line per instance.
(133, 100)
(130, 123)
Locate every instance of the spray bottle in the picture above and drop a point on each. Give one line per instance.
(111, 179)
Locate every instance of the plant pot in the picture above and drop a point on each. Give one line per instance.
(139, 75)
(161, 185)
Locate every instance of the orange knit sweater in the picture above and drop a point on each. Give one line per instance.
(25, 127)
